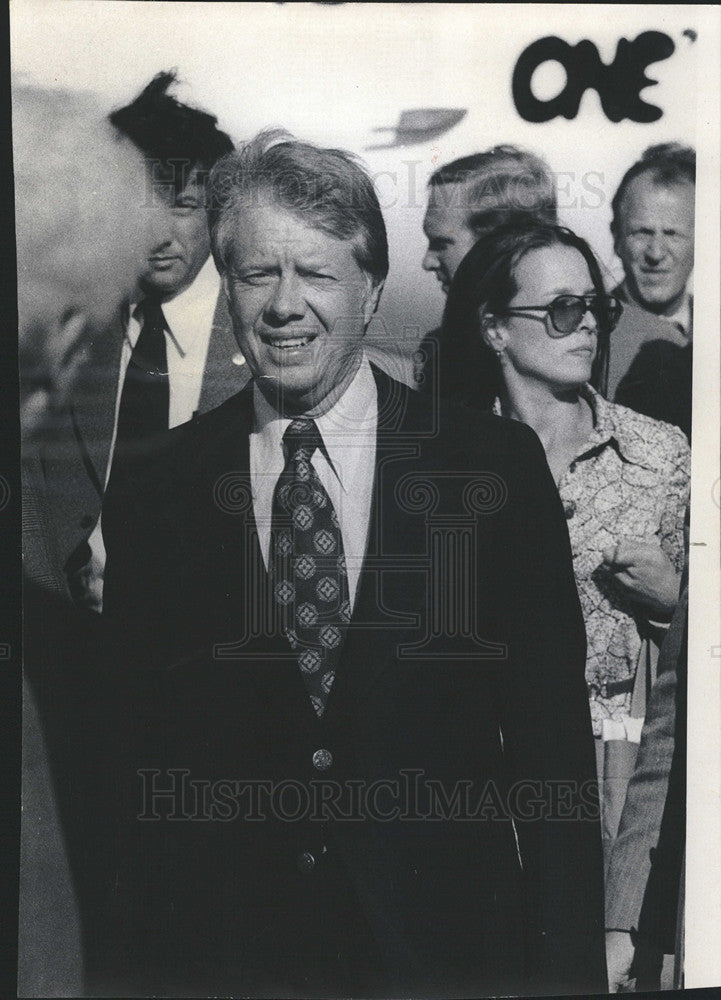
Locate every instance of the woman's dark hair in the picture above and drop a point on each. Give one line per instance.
(468, 370)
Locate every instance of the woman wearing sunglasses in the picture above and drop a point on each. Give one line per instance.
(525, 333)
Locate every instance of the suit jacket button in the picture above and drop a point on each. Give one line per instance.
(322, 760)
(569, 509)
(306, 862)
(87, 521)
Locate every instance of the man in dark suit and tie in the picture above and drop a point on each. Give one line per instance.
(358, 757)
(167, 356)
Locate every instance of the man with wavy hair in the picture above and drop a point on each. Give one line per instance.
(359, 633)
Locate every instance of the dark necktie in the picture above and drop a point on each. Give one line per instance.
(145, 399)
(307, 564)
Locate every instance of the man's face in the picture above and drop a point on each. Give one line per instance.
(655, 242)
(181, 243)
(300, 306)
(447, 230)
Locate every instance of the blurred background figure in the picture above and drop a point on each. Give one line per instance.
(81, 230)
(653, 230)
(525, 334)
(168, 354)
(467, 199)
(112, 230)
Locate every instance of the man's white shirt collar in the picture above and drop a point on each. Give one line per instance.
(187, 314)
(348, 426)
(345, 465)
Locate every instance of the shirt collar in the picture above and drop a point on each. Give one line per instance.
(353, 417)
(681, 318)
(616, 424)
(187, 314)
(608, 428)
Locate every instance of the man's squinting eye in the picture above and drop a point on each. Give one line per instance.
(316, 275)
(252, 277)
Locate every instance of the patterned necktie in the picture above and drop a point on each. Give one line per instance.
(308, 569)
(145, 399)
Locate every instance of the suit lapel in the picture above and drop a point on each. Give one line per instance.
(74, 462)
(240, 568)
(384, 588)
(221, 378)
(93, 416)
(390, 599)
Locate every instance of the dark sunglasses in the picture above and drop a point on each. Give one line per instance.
(567, 311)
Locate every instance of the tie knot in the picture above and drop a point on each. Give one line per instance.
(302, 434)
(151, 312)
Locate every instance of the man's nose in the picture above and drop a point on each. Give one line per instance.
(655, 249)
(287, 302)
(161, 227)
(430, 261)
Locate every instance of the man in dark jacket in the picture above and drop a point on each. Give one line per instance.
(363, 762)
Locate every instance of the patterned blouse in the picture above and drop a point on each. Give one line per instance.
(630, 480)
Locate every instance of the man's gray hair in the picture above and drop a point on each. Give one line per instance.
(501, 184)
(329, 189)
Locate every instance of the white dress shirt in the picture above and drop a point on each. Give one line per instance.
(348, 431)
(189, 322)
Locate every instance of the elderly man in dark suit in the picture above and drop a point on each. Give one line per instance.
(360, 757)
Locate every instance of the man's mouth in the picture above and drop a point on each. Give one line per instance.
(287, 343)
(654, 275)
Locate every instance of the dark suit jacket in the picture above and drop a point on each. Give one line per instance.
(635, 328)
(658, 383)
(465, 522)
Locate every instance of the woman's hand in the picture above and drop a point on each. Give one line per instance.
(645, 571)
